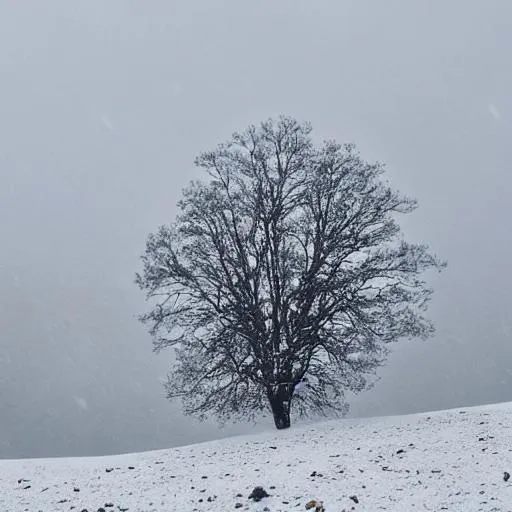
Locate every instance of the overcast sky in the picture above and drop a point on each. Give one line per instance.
(103, 107)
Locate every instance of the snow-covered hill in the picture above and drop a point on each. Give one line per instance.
(454, 460)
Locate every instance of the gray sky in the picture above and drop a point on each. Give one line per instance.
(103, 107)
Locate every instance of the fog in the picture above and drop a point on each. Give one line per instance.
(103, 107)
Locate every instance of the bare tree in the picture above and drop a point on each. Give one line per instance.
(287, 264)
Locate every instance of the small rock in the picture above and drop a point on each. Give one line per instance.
(76, 489)
(506, 476)
(258, 493)
(354, 499)
(238, 505)
(317, 505)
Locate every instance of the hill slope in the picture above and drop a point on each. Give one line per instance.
(449, 460)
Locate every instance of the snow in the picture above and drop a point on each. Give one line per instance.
(449, 460)
(355, 356)
(494, 112)
(301, 388)
(81, 402)
(106, 121)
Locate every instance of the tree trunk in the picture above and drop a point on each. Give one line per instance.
(280, 405)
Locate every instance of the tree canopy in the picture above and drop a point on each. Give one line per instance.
(287, 263)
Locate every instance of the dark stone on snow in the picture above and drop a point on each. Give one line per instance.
(238, 505)
(400, 451)
(101, 509)
(258, 493)
(76, 489)
(354, 499)
(506, 476)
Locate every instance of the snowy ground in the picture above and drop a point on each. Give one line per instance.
(451, 460)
